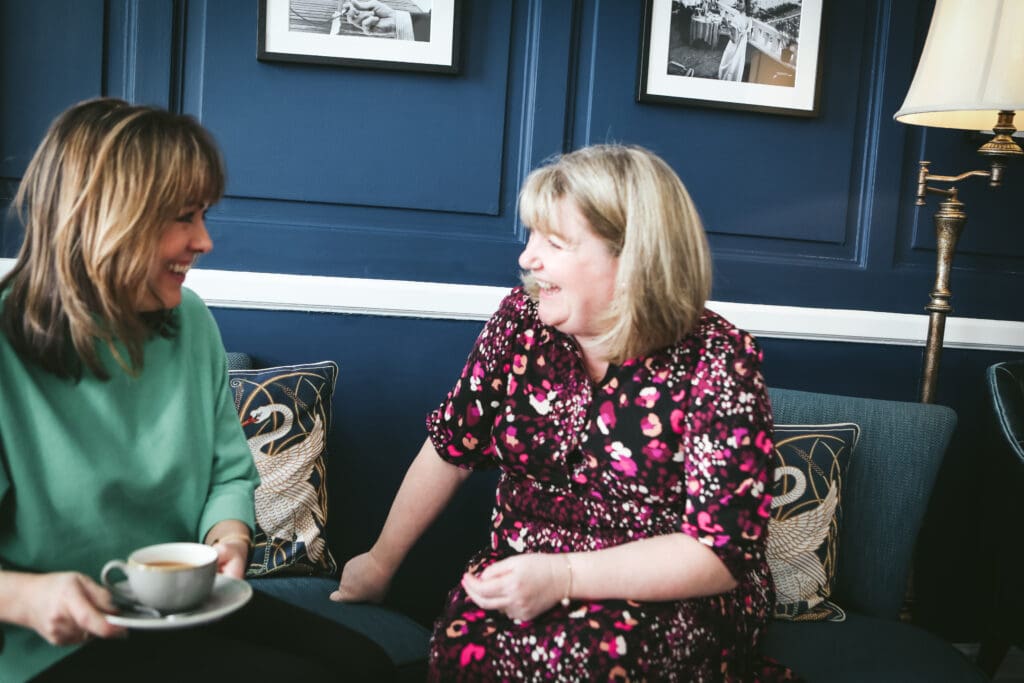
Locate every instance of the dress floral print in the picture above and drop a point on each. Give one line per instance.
(678, 441)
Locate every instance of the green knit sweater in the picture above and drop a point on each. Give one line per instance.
(91, 470)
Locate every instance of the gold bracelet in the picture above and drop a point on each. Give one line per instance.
(238, 536)
(568, 586)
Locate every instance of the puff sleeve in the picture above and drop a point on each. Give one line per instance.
(461, 427)
(727, 430)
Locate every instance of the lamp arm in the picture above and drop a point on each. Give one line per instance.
(958, 178)
(923, 178)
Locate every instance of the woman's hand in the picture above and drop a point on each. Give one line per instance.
(369, 16)
(363, 579)
(232, 556)
(231, 539)
(65, 608)
(521, 586)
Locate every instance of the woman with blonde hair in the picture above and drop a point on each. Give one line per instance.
(632, 429)
(117, 429)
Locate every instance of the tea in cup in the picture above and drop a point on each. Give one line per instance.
(169, 577)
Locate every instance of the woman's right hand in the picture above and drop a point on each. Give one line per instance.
(426, 489)
(65, 608)
(363, 579)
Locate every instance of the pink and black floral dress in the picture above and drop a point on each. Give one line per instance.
(678, 441)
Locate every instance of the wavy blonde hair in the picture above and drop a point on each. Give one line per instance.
(637, 205)
(96, 197)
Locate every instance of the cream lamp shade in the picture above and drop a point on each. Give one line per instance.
(971, 68)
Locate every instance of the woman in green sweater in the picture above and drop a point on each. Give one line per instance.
(117, 429)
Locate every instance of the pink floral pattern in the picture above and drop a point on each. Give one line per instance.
(678, 441)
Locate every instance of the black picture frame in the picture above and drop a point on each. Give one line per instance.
(336, 33)
(711, 53)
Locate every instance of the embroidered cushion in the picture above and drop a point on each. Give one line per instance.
(810, 469)
(286, 414)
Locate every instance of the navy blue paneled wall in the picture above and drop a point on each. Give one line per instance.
(403, 175)
(411, 176)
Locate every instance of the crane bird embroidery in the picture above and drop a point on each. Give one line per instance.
(286, 502)
(792, 542)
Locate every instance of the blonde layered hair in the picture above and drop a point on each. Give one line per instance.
(636, 204)
(101, 188)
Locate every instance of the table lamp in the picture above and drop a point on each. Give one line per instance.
(970, 77)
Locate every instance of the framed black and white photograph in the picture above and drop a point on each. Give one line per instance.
(759, 55)
(408, 35)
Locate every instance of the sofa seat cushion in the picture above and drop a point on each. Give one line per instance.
(866, 648)
(404, 640)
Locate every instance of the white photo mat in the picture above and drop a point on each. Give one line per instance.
(277, 42)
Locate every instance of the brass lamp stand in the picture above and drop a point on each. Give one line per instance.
(971, 73)
(949, 224)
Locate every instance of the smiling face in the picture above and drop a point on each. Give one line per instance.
(575, 272)
(181, 242)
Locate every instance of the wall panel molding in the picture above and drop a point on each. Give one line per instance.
(140, 50)
(872, 183)
(51, 55)
(756, 190)
(408, 299)
(354, 137)
(547, 84)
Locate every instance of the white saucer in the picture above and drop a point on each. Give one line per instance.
(228, 595)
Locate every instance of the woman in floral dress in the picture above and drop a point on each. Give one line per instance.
(633, 432)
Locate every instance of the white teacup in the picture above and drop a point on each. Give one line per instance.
(169, 577)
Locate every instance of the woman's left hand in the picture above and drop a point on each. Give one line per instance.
(521, 586)
(232, 557)
(231, 539)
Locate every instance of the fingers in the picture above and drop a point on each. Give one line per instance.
(232, 558)
(515, 606)
(518, 586)
(98, 595)
(234, 570)
(345, 593)
(363, 579)
(78, 612)
(489, 585)
(342, 593)
(488, 594)
(88, 620)
(364, 21)
(358, 590)
(98, 602)
(497, 570)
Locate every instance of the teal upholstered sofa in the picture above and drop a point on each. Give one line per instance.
(884, 500)
(889, 480)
